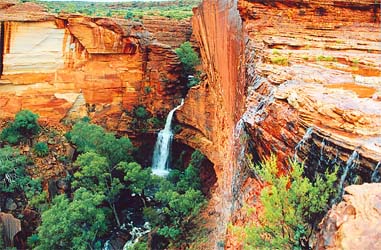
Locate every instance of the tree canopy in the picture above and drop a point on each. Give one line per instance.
(292, 204)
(76, 224)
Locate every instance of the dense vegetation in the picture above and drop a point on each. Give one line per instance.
(24, 127)
(105, 181)
(190, 60)
(292, 206)
(180, 9)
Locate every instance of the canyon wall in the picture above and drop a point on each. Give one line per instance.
(72, 66)
(212, 109)
(297, 78)
(313, 88)
(312, 85)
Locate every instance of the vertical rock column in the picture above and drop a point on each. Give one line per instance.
(1, 46)
(212, 110)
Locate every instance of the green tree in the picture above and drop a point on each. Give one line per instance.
(96, 175)
(181, 199)
(24, 127)
(180, 210)
(292, 204)
(188, 57)
(90, 137)
(41, 149)
(137, 178)
(76, 224)
(13, 176)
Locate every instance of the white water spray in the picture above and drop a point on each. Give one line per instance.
(136, 233)
(350, 164)
(160, 161)
(376, 175)
(301, 143)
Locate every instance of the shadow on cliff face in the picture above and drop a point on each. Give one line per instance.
(1, 47)
(181, 156)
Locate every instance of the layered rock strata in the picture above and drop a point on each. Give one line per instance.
(167, 30)
(66, 65)
(312, 84)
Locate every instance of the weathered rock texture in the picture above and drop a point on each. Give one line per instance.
(167, 30)
(312, 82)
(10, 226)
(313, 77)
(211, 110)
(314, 64)
(60, 66)
(355, 222)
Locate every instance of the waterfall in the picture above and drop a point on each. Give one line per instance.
(160, 161)
(351, 163)
(136, 233)
(305, 138)
(376, 175)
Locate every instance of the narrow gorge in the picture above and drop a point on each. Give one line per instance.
(299, 79)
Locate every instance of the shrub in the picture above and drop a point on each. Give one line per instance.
(325, 58)
(41, 149)
(73, 224)
(292, 205)
(280, 60)
(24, 127)
(188, 57)
(89, 137)
(129, 15)
(141, 112)
(13, 177)
(147, 89)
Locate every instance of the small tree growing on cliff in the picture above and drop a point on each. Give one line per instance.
(189, 59)
(292, 205)
(24, 127)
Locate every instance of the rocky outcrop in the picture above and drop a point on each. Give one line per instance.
(211, 110)
(97, 67)
(312, 85)
(322, 70)
(355, 222)
(9, 226)
(312, 70)
(168, 31)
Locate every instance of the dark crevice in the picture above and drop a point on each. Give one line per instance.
(1, 47)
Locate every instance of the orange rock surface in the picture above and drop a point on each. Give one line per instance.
(302, 66)
(85, 66)
(211, 110)
(355, 222)
(168, 31)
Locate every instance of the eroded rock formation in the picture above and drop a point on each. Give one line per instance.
(211, 110)
(66, 65)
(314, 65)
(312, 85)
(301, 78)
(355, 222)
(10, 226)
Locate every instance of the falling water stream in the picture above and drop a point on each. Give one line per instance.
(161, 153)
(350, 164)
(376, 175)
(136, 233)
(300, 144)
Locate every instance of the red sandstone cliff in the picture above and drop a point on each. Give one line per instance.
(69, 66)
(299, 64)
(310, 66)
(212, 110)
